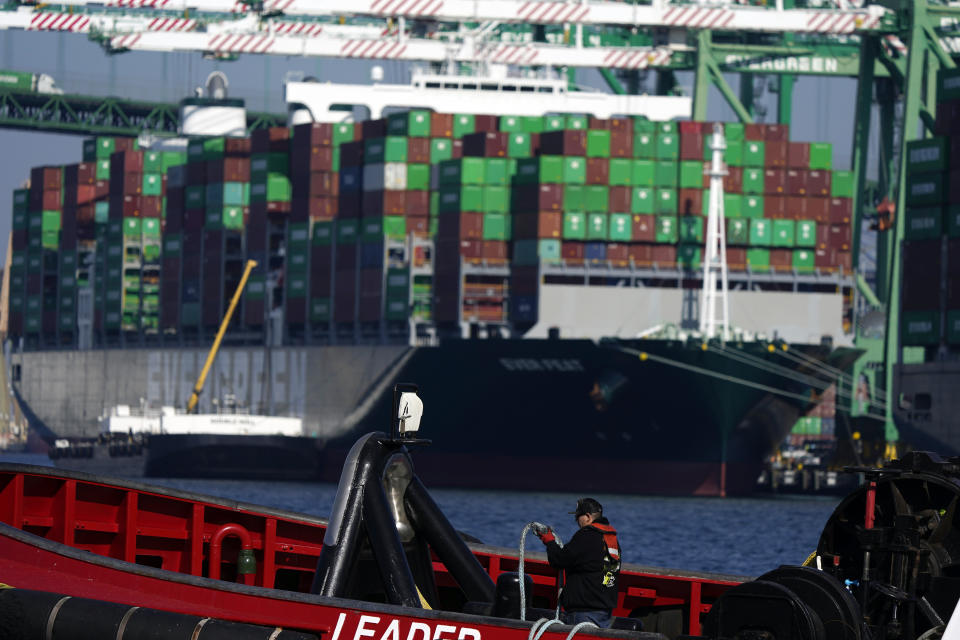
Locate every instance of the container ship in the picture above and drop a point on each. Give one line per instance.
(502, 262)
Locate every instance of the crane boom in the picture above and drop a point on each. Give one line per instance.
(201, 380)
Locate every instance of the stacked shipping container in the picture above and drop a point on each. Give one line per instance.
(327, 211)
(930, 295)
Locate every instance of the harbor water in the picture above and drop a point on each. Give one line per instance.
(740, 536)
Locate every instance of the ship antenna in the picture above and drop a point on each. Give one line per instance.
(715, 261)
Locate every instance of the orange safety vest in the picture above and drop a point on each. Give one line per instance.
(611, 562)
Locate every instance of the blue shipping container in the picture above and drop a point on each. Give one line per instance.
(371, 255)
(595, 251)
(351, 178)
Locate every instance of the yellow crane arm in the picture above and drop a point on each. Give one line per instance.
(198, 387)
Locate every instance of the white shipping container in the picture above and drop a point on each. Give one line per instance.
(395, 176)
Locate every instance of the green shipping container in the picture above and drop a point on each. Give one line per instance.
(645, 146)
(101, 212)
(103, 170)
(928, 156)
(132, 228)
(761, 232)
(738, 231)
(806, 234)
(665, 201)
(643, 173)
(440, 149)
(152, 184)
(803, 259)
(322, 232)
(457, 199)
(821, 155)
(953, 220)
(50, 221)
(752, 206)
(462, 171)
(783, 233)
(276, 189)
(497, 171)
(574, 170)
(689, 256)
(343, 132)
(531, 124)
(948, 84)
(733, 155)
(758, 259)
(554, 123)
(151, 227)
(320, 309)
(597, 226)
(598, 143)
(573, 197)
(691, 174)
(754, 154)
(924, 222)
(542, 170)
(153, 162)
(666, 230)
(752, 181)
(732, 205)
(496, 199)
(642, 200)
(596, 199)
(463, 124)
(519, 146)
(621, 172)
(224, 218)
(348, 231)
(413, 124)
(620, 227)
(666, 174)
(389, 149)
(574, 226)
(495, 226)
(925, 188)
(668, 146)
(528, 252)
(842, 184)
(576, 123)
(920, 328)
(511, 124)
(691, 228)
(418, 177)
(641, 124)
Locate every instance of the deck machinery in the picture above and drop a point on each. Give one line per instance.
(894, 48)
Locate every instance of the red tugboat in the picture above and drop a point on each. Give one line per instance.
(88, 557)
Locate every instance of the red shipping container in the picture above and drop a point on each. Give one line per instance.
(254, 312)
(619, 199)
(795, 208)
(373, 128)
(46, 177)
(35, 199)
(755, 132)
(126, 162)
(533, 198)
(621, 142)
(733, 181)
(818, 183)
(314, 208)
(236, 147)
(598, 171)
(494, 250)
(102, 189)
(466, 225)
(418, 225)
(19, 239)
(457, 149)
(691, 146)
(545, 224)
(471, 249)
(151, 206)
(51, 200)
(781, 259)
(278, 207)
(844, 260)
(774, 206)
(823, 236)
(775, 153)
(798, 155)
(644, 228)
(570, 251)
(486, 123)
(693, 127)
(324, 183)
(270, 139)
(777, 133)
(321, 270)
(690, 202)
(618, 253)
(839, 210)
(797, 182)
(774, 182)
(441, 125)
(312, 134)
(418, 150)
(229, 169)
(370, 307)
(568, 142)
(310, 159)
(640, 254)
(488, 144)
(132, 183)
(621, 124)
(825, 259)
(344, 297)
(598, 123)
(841, 237)
(663, 254)
(417, 203)
(737, 258)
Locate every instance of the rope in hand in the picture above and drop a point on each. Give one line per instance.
(523, 591)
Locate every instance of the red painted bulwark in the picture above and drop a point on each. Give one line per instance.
(138, 545)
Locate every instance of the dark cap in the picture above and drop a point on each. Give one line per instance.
(587, 505)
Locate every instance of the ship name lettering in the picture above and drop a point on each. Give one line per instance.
(378, 628)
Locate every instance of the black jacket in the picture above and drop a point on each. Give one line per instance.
(583, 561)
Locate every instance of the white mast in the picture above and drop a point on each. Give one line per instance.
(715, 260)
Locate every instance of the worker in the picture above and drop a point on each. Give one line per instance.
(591, 561)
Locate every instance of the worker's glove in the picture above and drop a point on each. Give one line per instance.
(546, 535)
